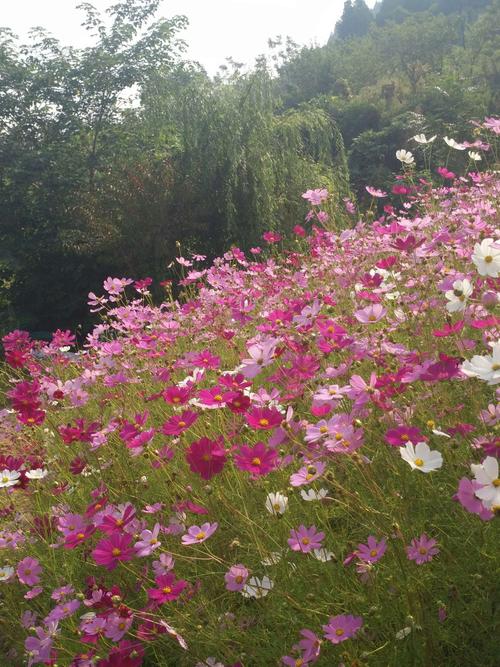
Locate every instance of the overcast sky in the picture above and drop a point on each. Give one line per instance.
(218, 28)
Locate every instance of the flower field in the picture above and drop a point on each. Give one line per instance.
(295, 464)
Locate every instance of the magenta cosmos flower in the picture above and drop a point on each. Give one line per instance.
(398, 437)
(167, 588)
(206, 457)
(370, 314)
(422, 549)
(342, 627)
(198, 534)
(179, 423)
(264, 419)
(372, 551)
(305, 539)
(28, 570)
(236, 577)
(257, 460)
(109, 552)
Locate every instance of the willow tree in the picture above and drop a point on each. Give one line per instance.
(239, 162)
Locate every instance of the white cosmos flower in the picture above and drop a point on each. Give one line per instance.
(37, 473)
(323, 554)
(486, 474)
(485, 368)
(421, 457)
(454, 144)
(9, 478)
(311, 494)
(474, 155)
(405, 156)
(276, 503)
(457, 297)
(401, 634)
(257, 588)
(6, 573)
(486, 257)
(422, 139)
(274, 559)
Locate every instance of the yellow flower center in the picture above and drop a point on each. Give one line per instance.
(256, 461)
(338, 436)
(217, 397)
(496, 482)
(182, 424)
(419, 462)
(488, 259)
(167, 589)
(422, 551)
(373, 553)
(339, 632)
(495, 367)
(405, 437)
(206, 457)
(238, 579)
(276, 506)
(264, 422)
(323, 429)
(176, 399)
(305, 540)
(116, 551)
(200, 535)
(80, 536)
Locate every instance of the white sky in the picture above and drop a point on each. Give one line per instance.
(218, 28)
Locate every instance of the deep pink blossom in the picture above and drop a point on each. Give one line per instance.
(257, 460)
(113, 550)
(206, 457)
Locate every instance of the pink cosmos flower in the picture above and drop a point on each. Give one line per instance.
(307, 474)
(116, 549)
(398, 437)
(28, 570)
(261, 355)
(236, 577)
(206, 457)
(310, 645)
(374, 192)
(342, 627)
(117, 626)
(198, 534)
(422, 549)
(264, 418)
(164, 564)
(372, 551)
(177, 424)
(370, 314)
(466, 496)
(305, 539)
(449, 329)
(149, 541)
(258, 460)
(167, 588)
(63, 610)
(316, 197)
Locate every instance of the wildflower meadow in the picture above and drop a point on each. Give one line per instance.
(294, 462)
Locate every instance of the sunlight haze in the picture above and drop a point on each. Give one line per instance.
(217, 29)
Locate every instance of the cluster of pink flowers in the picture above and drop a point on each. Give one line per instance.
(141, 460)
